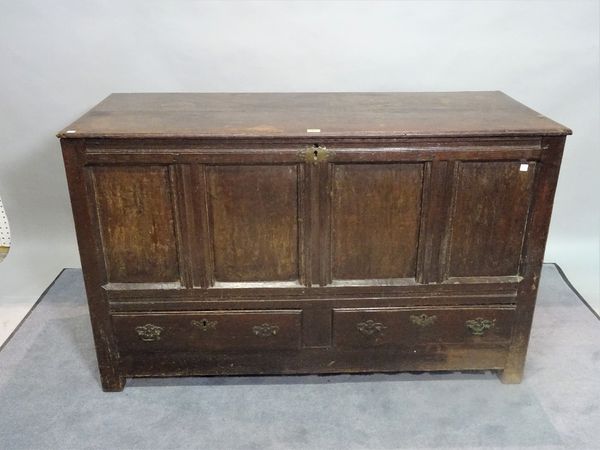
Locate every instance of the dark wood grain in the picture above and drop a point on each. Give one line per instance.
(487, 221)
(202, 216)
(254, 221)
(376, 210)
(135, 211)
(335, 114)
(92, 262)
(210, 331)
(534, 244)
(429, 357)
(418, 326)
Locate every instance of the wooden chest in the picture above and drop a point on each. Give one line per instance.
(311, 233)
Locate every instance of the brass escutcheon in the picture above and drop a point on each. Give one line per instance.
(314, 155)
(423, 320)
(205, 324)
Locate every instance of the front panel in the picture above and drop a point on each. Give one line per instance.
(376, 214)
(253, 215)
(248, 225)
(136, 218)
(486, 223)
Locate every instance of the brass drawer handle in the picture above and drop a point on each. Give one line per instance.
(479, 325)
(370, 327)
(205, 324)
(149, 332)
(265, 330)
(423, 320)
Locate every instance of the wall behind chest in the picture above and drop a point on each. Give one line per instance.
(58, 60)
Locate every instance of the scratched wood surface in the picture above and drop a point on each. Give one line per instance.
(334, 114)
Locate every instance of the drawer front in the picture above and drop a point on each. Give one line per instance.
(362, 327)
(209, 331)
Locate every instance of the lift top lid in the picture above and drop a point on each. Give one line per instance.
(292, 115)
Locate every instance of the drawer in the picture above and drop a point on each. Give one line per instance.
(209, 330)
(370, 327)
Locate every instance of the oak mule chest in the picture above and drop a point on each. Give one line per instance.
(227, 234)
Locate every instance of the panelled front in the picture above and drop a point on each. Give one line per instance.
(236, 226)
(238, 238)
(174, 226)
(426, 216)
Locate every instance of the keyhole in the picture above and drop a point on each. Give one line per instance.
(204, 322)
(316, 155)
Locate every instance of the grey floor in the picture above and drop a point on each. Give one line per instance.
(50, 396)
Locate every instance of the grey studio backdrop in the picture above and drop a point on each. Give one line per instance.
(60, 58)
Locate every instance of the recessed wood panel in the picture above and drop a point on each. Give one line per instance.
(376, 211)
(254, 222)
(137, 224)
(491, 202)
